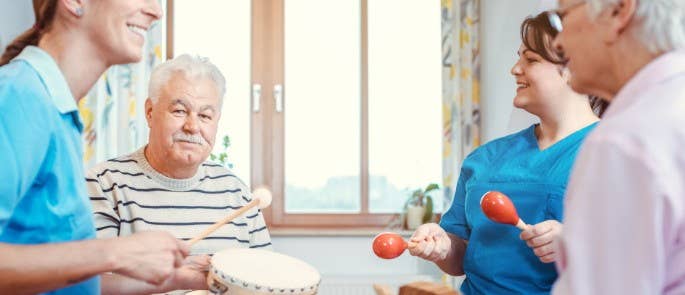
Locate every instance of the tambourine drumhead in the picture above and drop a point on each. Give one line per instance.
(261, 271)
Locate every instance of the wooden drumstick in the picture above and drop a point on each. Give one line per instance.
(260, 197)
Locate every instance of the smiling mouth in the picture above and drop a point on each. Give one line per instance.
(142, 31)
(521, 86)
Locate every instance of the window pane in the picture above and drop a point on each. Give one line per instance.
(220, 30)
(322, 106)
(405, 104)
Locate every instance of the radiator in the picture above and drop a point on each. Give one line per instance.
(363, 285)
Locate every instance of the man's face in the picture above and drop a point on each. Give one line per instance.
(183, 121)
(581, 41)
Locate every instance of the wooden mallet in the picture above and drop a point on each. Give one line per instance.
(260, 197)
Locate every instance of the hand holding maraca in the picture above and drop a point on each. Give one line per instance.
(499, 208)
(429, 242)
(541, 238)
(432, 242)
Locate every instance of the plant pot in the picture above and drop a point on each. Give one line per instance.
(415, 216)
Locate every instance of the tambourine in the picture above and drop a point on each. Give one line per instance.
(254, 271)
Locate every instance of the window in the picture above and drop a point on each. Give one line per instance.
(195, 31)
(340, 101)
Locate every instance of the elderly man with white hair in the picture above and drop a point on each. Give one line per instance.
(625, 206)
(168, 184)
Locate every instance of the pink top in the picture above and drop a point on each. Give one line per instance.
(624, 227)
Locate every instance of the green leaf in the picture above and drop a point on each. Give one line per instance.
(428, 216)
(226, 142)
(431, 187)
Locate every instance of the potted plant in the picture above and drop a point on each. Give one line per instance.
(222, 158)
(419, 207)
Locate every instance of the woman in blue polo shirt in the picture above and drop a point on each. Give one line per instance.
(46, 226)
(531, 167)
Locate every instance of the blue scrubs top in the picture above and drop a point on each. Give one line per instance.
(496, 260)
(42, 189)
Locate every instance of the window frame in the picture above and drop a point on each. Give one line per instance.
(267, 125)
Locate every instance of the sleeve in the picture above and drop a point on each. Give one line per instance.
(454, 220)
(259, 233)
(615, 221)
(21, 156)
(104, 206)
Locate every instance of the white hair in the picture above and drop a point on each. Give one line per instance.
(660, 23)
(191, 67)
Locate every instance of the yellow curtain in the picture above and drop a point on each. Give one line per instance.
(113, 110)
(461, 91)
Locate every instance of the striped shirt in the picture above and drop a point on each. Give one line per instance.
(129, 196)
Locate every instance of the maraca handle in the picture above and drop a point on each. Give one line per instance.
(521, 225)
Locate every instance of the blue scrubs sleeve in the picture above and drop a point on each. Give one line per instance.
(454, 220)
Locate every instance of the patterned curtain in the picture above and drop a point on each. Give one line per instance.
(113, 111)
(461, 87)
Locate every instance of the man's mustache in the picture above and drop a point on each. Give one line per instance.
(192, 138)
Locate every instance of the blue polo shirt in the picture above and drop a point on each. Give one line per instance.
(496, 260)
(42, 190)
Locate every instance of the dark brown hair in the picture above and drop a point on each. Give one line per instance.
(45, 11)
(537, 35)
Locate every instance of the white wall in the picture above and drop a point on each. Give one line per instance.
(335, 256)
(16, 16)
(500, 37)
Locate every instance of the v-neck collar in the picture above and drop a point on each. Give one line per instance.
(536, 143)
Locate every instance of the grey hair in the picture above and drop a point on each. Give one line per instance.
(191, 67)
(660, 23)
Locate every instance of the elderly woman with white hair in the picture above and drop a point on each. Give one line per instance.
(169, 184)
(625, 206)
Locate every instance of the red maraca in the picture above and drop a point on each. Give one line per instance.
(389, 245)
(499, 208)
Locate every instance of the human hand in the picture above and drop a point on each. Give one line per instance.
(200, 262)
(431, 242)
(542, 238)
(147, 256)
(192, 275)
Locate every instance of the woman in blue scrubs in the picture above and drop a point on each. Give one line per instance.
(46, 226)
(531, 166)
